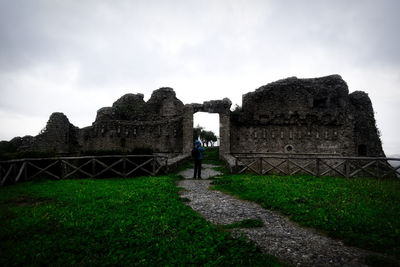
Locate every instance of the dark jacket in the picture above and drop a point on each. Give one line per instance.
(197, 145)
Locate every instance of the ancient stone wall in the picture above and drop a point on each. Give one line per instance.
(305, 116)
(59, 135)
(130, 123)
(366, 135)
(160, 136)
(287, 116)
(133, 123)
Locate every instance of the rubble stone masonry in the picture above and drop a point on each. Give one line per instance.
(287, 116)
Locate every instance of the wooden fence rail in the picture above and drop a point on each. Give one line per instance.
(13, 171)
(316, 165)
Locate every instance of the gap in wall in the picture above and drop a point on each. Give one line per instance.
(209, 121)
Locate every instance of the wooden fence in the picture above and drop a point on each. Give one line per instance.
(58, 168)
(316, 165)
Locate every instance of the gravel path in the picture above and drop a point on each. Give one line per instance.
(206, 172)
(279, 236)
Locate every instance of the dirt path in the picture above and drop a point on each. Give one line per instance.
(207, 171)
(279, 236)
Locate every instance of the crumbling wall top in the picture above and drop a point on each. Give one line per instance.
(56, 122)
(367, 136)
(360, 99)
(163, 102)
(218, 106)
(213, 106)
(132, 107)
(297, 98)
(128, 107)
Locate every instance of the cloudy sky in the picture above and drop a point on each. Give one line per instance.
(78, 56)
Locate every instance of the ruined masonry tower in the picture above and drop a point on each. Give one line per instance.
(287, 116)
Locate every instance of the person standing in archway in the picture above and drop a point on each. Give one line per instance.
(197, 155)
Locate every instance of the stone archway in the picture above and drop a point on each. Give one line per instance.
(222, 107)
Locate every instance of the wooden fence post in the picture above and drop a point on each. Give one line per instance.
(2, 172)
(317, 166)
(26, 171)
(166, 165)
(124, 166)
(236, 164)
(62, 169)
(154, 165)
(93, 167)
(377, 169)
(15, 171)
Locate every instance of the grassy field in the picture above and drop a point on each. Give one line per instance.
(142, 221)
(361, 212)
(137, 221)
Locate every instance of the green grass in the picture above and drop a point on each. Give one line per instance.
(183, 166)
(138, 221)
(211, 156)
(378, 261)
(361, 212)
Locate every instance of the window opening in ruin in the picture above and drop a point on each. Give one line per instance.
(209, 122)
(320, 103)
(362, 150)
(289, 148)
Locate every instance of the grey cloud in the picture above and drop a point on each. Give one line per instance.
(119, 46)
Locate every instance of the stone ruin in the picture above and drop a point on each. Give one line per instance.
(306, 116)
(133, 123)
(287, 116)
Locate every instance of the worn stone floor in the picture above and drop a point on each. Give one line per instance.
(279, 236)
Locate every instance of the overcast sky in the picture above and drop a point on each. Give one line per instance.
(78, 56)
